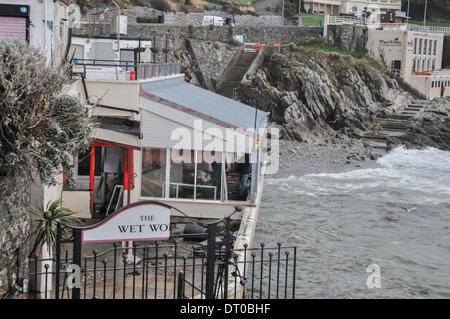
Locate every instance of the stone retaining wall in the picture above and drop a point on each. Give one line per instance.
(349, 38)
(272, 34)
(194, 18)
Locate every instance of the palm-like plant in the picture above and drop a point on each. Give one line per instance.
(46, 222)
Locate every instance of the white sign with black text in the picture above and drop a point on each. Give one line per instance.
(139, 221)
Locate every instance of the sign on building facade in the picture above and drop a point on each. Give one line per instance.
(139, 221)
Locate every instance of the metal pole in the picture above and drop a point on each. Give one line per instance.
(76, 258)
(299, 12)
(58, 259)
(282, 14)
(210, 261)
(407, 13)
(425, 13)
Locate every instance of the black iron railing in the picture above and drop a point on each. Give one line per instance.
(211, 269)
(122, 70)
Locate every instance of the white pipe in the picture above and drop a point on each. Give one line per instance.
(45, 27)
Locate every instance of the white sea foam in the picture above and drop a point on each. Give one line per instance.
(343, 222)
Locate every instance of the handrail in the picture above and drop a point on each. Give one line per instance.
(337, 20)
(143, 70)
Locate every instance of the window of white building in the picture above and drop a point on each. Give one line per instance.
(192, 175)
(153, 172)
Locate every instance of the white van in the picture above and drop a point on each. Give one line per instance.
(208, 20)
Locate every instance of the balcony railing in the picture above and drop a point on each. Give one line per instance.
(152, 70)
(374, 23)
(93, 69)
(434, 29)
(441, 72)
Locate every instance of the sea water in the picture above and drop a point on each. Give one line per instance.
(395, 217)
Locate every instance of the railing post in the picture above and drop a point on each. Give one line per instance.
(180, 285)
(210, 261)
(227, 244)
(76, 258)
(58, 259)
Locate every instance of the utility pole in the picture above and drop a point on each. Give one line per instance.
(282, 14)
(425, 13)
(407, 13)
(299, 12)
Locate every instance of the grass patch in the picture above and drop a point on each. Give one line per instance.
(328, 48)
(312, 20)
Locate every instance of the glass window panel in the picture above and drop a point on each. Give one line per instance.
(238, 177)
(153, 172)
(84, 162)
(182, 174)
(209, 172)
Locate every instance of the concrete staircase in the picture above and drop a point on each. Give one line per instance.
(261, 7)
(393, 126)
(235, 75)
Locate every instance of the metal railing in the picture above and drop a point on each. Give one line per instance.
(432, 29)
(178, 185)
(166, 270)
(346, 20)
(339, 20)
(122, 70)
(151, 70)
(441, 72)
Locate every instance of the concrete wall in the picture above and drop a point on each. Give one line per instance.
(15, 226)
(194, 18)
(386, 46)
(48, 26)
(113, 93)
(349, 38)
(264, 34)
(106, 48)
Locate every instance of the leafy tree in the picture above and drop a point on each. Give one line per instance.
(40, 128)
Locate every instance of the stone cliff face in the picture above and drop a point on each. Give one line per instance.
(314, 95)
(202, 62)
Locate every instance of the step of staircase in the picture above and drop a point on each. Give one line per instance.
(235, 75)
(377, 145)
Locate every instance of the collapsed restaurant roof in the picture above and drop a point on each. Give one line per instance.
(185, 97)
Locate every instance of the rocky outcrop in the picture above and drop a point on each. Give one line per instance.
(431, 127)
(315, 95)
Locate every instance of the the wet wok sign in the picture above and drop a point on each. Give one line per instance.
(138, 221)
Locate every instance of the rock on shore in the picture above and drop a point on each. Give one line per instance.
(315, 96)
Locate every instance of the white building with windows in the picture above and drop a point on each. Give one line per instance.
(413, 55)
(42, 23)
(161, 138)
(356, 7)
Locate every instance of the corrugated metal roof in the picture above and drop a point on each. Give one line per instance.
(177, 93)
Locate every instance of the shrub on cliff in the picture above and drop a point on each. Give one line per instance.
(40, 128)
